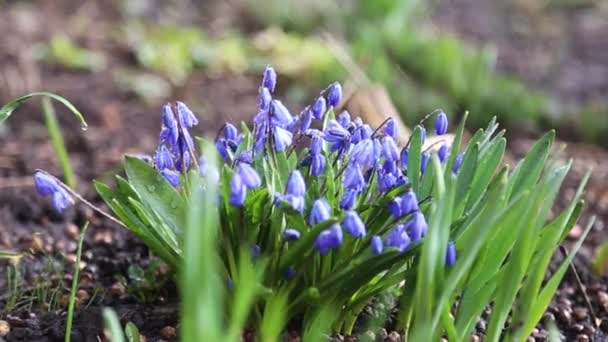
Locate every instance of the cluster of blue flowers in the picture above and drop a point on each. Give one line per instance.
(47, 185)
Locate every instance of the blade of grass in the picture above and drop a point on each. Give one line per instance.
(10, 107)
(58, 143)
(75, 279)
(112, 323)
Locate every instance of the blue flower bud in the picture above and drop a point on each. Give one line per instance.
(222, 149)
(305, 120)
(344, 118)
(394, 206)
(389, 149)
(163, 158)
(186, 118)
(282, 139)
(316, 145)
(390, 167)
(291, 234)
(377, 245)
(320, 212)
(363, 153)
(270, 78)
(348, 199)
(337, 136)
(264, 98)
(423, 133)
(409, 203)
(386, 181)
(238, 191)
(171, 176)
(353, 224)
(458, 163)
(317, 165)
(398, 238)
(450, 254)
(295, 184)
(441, 124)
(280, 114)
(170, 131)
(416, 226)
(424, 161)
(353, 177)
(61, 200)
(391, 129)
(404, 158)
(334, 94)
(319, 108)
(289, 273)
(230, 132)
(443, 153)
(45, 184)
(249, 176)
(255, 251)
(329, 238)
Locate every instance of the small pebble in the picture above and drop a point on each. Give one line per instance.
(5, 328)
(481, 326)
(393, 337)
(118, 289)
(82, 297)
(564, 316)
(582, 338)
(382, 334)
(577, 328)
(588, 329)
(580, 313)
(168, 332)
(72, 232)
(36, 245)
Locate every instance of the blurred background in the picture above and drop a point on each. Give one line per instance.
(536, 64)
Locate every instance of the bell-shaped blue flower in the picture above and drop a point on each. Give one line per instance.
(222, 148)
(458, 163)
(291, 234)
(391, 129)
(394, 206)
(441, 124)
(238, 191)
(282, 139)
(409, 203)
(320, 212)
(353, 224)
(344, 119)
(337, 136)
(186, 118)
(295, 202)
(316, 145)
(270, 78)
(443, 152)
(389, 149)
(398, 238)
(319, 108)
(163, 158)
(363, 153)
(348, 199)
(404, 158)
(230, 132)
(424, 161)
(295, 184)
(249, 176)
(61, 200)
(334, 94)
(416, 227)
(170, 131)
(376, 245)
(48, 185)
(171, 176)
(280, 114)
(450, 254)
(317, 165)
(353, 177)
(264, 98)
(330, 238)
(305, 120)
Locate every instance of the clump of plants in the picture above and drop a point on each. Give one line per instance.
(306, 218)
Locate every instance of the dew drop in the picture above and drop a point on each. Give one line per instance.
(84, 127)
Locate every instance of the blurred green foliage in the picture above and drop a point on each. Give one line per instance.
(64, 51)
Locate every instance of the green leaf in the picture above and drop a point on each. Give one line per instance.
(112, 324)
(10, 107)
(413, 161)
(131, 332)
(156, 193)
(529, 170)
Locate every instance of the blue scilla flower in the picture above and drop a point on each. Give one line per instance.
(238, 191)
(297, 203)
(394, 207)
(319, 108)
(416, 227)
(317, 164)
(389, 148)
(443, 152)
(187, 119)
(280, 114)
(330, 238)
(348, 199)
(222, 148)
(169, 132)
(376, 245)
(344, 119)
(295, 184)
(353, 224)
(291, 234)
(163, 159)
(337, 136)
(320, 212)
(405, 153)
(316, 145)
(264, 98)
(441, 124)
(230, 132)
(361, 132)
(458, 163)
(249, 176)
(364, 153)
(282, 139)
(450, 254)
(289, 273)
(353, 177)
(48, 185)
(398, 238)
(334, 94)
(171, 176)
(270, 78)
(424, 161)
(409, 203)
(390, 167)
(255, 251)
(305, 120)
(386, 181)
(391, 129)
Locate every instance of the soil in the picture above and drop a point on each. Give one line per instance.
(119, 123)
